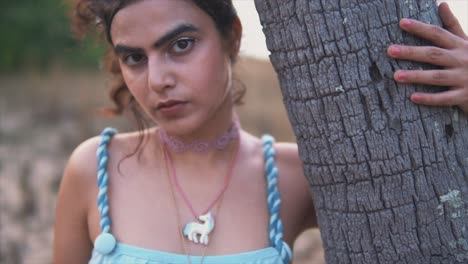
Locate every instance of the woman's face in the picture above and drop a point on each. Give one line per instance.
(174, 63)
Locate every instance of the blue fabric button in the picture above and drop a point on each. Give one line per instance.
(105, 243)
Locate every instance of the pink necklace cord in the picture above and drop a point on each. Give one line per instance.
(178, 146)
(172, 171)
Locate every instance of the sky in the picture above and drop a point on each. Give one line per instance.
(253, 42)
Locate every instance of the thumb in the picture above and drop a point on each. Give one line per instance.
(450, 21)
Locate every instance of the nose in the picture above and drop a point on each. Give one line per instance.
(160, 75)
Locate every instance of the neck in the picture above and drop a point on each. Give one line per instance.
(178, 145)
(210, 130)
(202, 171)
(214, 148)
(209, 153)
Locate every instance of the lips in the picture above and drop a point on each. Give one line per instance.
(171, 108)
(169, 104)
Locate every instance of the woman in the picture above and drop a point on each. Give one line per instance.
(196, 188)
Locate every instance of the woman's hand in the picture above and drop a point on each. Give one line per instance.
(451, 53)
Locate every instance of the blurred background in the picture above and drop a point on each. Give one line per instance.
(50, 88)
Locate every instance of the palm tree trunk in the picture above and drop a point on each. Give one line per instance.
(389, 178)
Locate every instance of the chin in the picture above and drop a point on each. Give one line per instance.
(180, 127)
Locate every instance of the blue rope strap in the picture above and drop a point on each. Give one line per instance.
(274, 200)
(105, 242)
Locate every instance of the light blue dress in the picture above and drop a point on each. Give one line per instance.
(109, 251)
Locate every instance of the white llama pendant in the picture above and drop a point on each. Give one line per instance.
(194, 229)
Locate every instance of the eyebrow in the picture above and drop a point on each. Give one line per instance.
(183, 28)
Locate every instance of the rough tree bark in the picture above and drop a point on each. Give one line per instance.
(389, 178)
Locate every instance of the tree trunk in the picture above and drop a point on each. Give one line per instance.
(389, 178)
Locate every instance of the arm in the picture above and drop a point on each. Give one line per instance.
(451, 53)
(72, 243)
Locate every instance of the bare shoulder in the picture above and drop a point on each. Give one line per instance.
(77, 196)
(298, 210)
(292, 182)
(83, 162)
(71, 240)
(288, 158)
(80, 173)
(291, 178)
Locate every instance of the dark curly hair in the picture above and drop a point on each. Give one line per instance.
(90, 15)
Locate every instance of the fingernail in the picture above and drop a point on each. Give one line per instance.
(416, 98)
(395, 50)
(405, 22)
(400, 76)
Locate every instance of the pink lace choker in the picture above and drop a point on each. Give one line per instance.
(178, 146)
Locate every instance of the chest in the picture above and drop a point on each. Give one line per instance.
(147, 211)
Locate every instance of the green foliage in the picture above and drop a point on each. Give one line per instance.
(36, 33)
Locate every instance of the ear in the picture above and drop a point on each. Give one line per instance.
(236, 37)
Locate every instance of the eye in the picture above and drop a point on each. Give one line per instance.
(182, 45)
(133, 59)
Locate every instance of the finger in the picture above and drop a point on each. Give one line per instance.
(447, 98)
(428, 54)
(429, 77)
(450, 21)
(433, 33)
